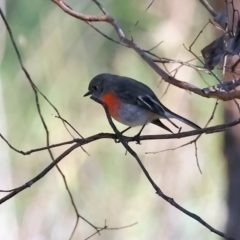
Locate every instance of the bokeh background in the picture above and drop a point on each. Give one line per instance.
(62, 55)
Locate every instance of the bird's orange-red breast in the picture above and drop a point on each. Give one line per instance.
(113, 103)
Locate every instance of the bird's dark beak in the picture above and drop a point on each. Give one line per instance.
(87, 94)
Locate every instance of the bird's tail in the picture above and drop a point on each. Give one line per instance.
(160, 124)
(170, 114)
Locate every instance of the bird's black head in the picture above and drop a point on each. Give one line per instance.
(97, 85)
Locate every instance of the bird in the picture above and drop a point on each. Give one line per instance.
(131, 102)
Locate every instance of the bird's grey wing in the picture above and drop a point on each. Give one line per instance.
(141, 95)
(158, 108)
(154, 105)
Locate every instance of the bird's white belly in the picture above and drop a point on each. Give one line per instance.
(132, 115)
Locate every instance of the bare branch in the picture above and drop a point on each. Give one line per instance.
(40, 175)
(108, 228)
(36, 92)
(84, 17)
(216, 128)
(225, 96)
(206, 4)
(154, 185)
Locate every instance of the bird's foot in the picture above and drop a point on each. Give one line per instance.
(117, 140)
(137, 139)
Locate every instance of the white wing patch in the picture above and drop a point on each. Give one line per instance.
(156, 107)
(152, 105)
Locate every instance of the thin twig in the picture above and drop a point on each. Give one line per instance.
(36, 91)
(208, 7)
(225, 96)
(208, 130)
(154, 185)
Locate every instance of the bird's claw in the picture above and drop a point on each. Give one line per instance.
(137, 139)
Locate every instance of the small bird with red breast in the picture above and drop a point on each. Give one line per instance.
(131, 102)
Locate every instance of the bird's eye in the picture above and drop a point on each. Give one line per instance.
(95, 88)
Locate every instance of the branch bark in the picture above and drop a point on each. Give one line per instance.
(223, 95)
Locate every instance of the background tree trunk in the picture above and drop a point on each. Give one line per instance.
(232, 153)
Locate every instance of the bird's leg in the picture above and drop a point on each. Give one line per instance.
(136, 137)
(125, 130)
(180, 129)
(117, 140)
